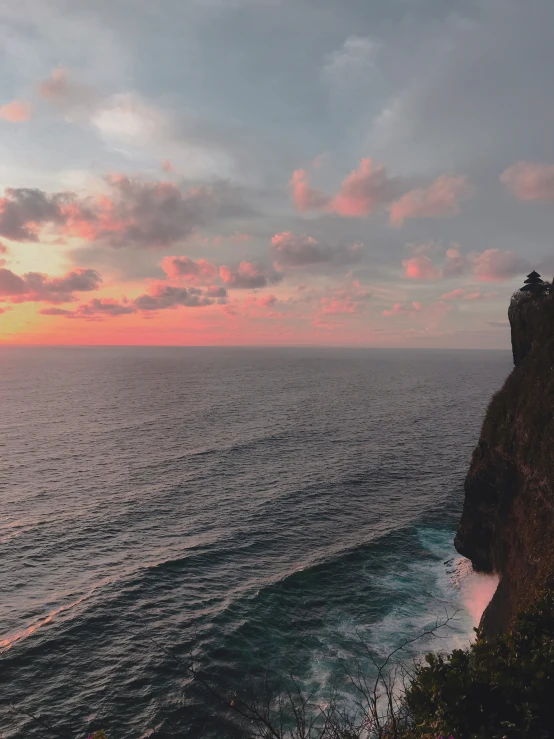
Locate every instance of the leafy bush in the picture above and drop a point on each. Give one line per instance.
(494, 690)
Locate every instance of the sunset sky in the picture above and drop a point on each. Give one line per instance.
(332, 172)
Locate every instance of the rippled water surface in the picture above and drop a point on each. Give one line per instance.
(256, 506)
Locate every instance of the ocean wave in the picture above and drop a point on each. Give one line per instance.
(264, 508)
(8, 642)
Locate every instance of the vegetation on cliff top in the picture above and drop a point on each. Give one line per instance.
(501, 689)
(531, 315)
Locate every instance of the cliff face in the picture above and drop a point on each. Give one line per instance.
(507, 524)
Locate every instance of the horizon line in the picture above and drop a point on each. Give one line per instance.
(250, 346)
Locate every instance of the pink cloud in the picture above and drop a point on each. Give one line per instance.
(456, 294)
(11, 284)
(460, 294)
(16, 111)
(167, 166)
(104, 307)
(261, 307)
(455, 263)
(476, 296)
(492, 265)
(365, 189)
(198, 272)
(147, 213)
(253, 306)
(426, 248)
(441, 199)
(240, 238)
(369, 187)
(297, 251)
(335, 306)
(304, 196)
(495, 265)
(37, 287)
(345, 300)
(55, 312)
(69, 96)
(421, 268)
(3, 250)
(163, 296)
(403, 309)
(265, 301)
(55, 86)
(24, 210)
(215, 291)
(134, 212)
(246, 276)
(234, 238)
(530, 181)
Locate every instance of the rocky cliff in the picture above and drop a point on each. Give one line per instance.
(507, 524)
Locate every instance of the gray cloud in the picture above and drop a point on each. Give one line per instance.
(106, 307)
(166, 296)
(445, 72)
(135, 212)
(292, 250)
(10, 283)
(37, 287)
(24, 210)
(248, 276)
(216, 292)
(161, 297)
(55, 312)
(299, 251)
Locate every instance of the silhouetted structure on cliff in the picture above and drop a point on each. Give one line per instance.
(533, 283)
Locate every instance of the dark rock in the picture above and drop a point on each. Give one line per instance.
(507, 524)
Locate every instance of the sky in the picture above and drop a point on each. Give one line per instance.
(273, 172)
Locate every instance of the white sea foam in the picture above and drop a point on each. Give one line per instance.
(432, 591)
(476, 588)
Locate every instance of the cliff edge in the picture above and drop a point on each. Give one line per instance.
(507, 523)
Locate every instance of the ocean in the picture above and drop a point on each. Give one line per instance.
(264, 510)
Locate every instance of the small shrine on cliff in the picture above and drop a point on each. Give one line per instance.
(534, 284)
